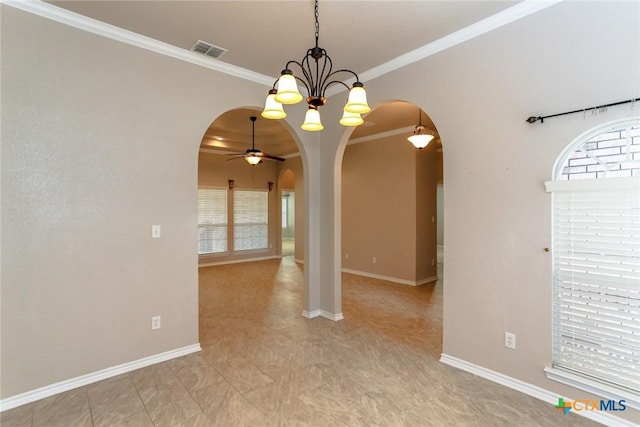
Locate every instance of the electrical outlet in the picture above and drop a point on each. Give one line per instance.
(510, 340)
(346, 256)
(155, 231)
(373, 260)
(155, 322)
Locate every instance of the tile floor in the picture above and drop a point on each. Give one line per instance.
(263, 364)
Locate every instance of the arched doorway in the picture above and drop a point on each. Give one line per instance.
(389, 197)
(239, 203)
(390, 233)
(287, 187)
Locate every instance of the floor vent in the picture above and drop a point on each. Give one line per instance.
(208, 49)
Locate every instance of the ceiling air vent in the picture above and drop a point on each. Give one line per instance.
(208, 49)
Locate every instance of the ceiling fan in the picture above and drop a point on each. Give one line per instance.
(253, 156)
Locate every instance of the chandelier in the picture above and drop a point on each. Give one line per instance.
(316, 74)
(420, 137)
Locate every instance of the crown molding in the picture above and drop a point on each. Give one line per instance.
(112, 32)
(518, 11)
(46, 10)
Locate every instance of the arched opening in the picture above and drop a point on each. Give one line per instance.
(239, 203)
(389, 224)
(243, 280)
(287, 187)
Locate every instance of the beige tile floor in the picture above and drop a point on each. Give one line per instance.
(263, 364)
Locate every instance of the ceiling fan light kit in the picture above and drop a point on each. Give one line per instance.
(316, 75)
(253, 156)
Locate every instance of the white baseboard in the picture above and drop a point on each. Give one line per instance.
(237, 261)
(427, 280)
(322, 313)
(532, 390)
(62, 386)
(391, 279)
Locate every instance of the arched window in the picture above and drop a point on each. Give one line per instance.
(596, 263)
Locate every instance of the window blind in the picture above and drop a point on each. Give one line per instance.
(250, 220)
(212, 220)
(596, 255)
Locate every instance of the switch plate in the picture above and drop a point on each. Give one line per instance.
(155, 322)
(346, 256)
(510, 340)
(374, 260)
(155, 231)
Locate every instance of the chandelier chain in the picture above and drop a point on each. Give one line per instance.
(316, 14)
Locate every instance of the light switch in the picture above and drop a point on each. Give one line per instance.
(155, 231)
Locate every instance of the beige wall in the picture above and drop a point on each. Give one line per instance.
(497, 213)
(99, 141)
(214, 170)
(426, 167)
(387, 189)
(294, 180)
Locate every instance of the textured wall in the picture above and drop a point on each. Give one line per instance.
(497, 213)
(99, 141)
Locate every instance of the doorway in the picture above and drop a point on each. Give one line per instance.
(288, 213)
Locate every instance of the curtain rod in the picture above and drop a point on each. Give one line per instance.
(534, 119)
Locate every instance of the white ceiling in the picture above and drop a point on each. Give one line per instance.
(262, 36)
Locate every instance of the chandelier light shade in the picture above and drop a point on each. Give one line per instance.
(312, 121)
(351, 119)
(272, 108)
(420, 137)
(253, 160)
(288, 92)
(315, 73)
(357, 102)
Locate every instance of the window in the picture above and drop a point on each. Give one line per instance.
(285, 210)
(250, 220)
(596, 263)
(212, 220)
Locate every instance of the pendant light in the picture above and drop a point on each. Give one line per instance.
(420, 138)
(312, 120)
(272, 108)
(351, 119)
(315, 73)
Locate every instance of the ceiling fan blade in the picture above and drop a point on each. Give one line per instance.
(270, 157)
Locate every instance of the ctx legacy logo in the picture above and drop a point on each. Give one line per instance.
(590, 405)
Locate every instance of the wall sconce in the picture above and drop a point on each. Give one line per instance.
(270, 185)
(231, 184)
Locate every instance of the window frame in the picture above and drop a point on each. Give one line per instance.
(559, 373)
